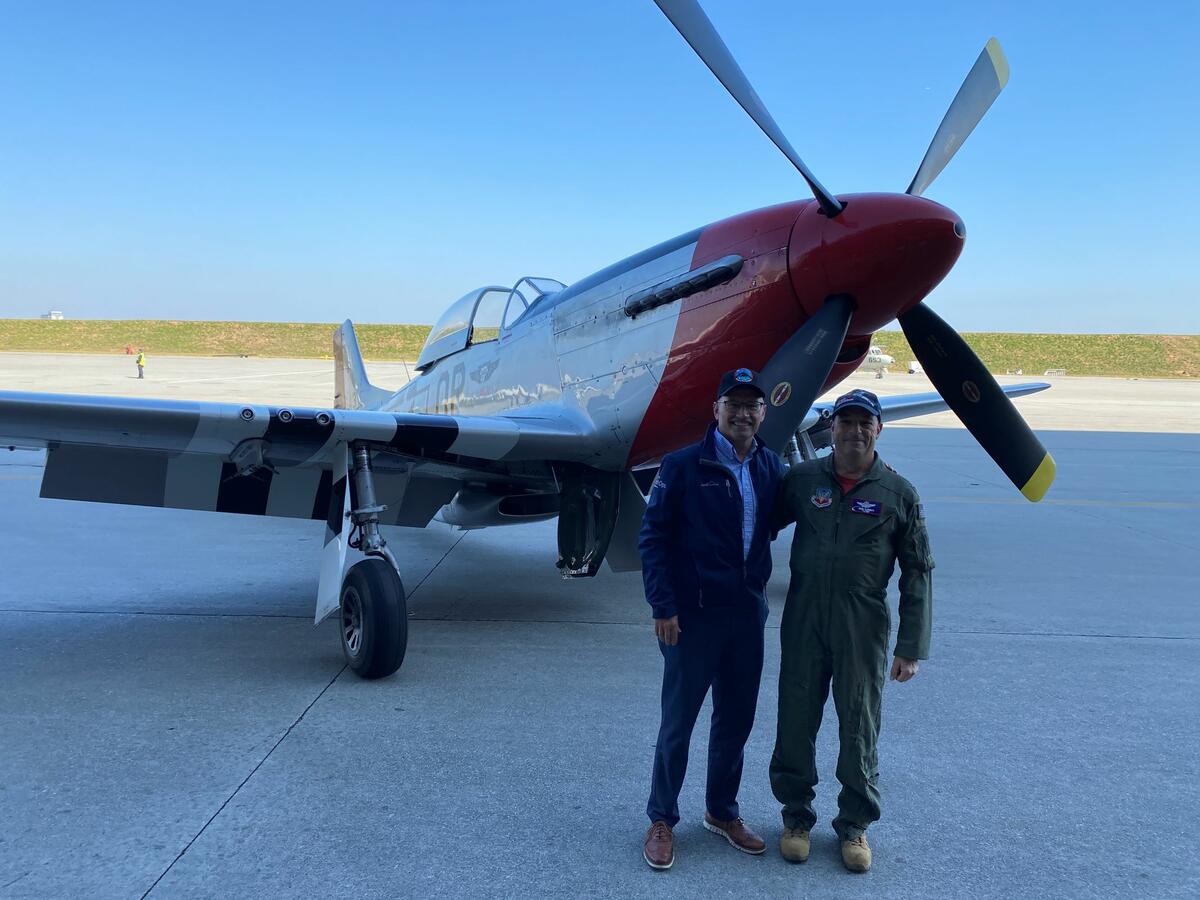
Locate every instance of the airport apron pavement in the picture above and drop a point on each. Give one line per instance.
(172, 724)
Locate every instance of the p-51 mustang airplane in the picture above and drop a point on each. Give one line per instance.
(544, 399)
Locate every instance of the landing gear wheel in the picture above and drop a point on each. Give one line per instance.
(374, 619)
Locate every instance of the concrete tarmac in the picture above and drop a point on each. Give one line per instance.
(172, 725)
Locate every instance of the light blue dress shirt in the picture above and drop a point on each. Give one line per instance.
(740, 469)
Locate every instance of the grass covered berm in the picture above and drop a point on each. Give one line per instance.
(1129, 355)
(295, 340)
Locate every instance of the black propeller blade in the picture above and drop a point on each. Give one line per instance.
(979, 90)
(691, 22)
(796, 373)
(972, 393)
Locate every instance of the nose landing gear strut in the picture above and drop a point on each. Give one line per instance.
(373, 612)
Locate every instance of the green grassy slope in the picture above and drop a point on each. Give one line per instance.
(1134, 355)
(170, 338)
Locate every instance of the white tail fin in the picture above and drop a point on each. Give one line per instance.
(351, 388)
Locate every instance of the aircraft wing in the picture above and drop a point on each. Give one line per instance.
(907, 406)
(265, 460)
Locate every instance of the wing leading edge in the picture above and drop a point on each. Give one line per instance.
(263, 460)
(287, 435)
(907, 406)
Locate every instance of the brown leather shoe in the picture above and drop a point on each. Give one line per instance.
(736, 832)
(659, 849)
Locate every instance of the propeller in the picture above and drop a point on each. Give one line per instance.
(979, 90)
(794, 376)
(796, 373)
(974, 396)
(691, 22)
(957, 373)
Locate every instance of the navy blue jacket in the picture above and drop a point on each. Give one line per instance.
(691, 538)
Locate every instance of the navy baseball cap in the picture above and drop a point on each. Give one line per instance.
(860, 398)
(740, 378)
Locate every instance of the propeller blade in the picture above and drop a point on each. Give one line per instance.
(691, 22)
(979, 90)
(796, 373)
(978, 401)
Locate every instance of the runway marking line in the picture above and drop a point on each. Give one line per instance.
(247, 377)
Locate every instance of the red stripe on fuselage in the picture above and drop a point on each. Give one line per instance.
(887, 251)
(741, 323)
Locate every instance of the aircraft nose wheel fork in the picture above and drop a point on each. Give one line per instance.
(374, 614)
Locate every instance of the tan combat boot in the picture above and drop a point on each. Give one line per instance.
(856, 854)
(794, 845)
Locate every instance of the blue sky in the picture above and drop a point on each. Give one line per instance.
(312, 161)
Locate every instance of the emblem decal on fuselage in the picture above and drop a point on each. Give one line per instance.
(484, 372)
(781, 393)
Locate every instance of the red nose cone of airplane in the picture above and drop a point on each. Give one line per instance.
(887, 251)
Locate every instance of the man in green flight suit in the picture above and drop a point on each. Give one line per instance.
(855, 517)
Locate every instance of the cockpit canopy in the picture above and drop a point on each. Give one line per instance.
(482, 315)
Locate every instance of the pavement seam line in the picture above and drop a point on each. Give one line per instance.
(478, 621)
(437, 564)
(1083, 511)
(165, 615)
(258, 766)
(1048, 634)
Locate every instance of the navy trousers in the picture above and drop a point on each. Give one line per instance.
(722, 650)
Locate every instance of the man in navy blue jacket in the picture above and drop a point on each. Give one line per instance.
(706, 558)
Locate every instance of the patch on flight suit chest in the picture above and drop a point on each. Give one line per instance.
(822, 498)
(866, 507)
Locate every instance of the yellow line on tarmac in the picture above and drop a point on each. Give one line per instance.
(1119, 504)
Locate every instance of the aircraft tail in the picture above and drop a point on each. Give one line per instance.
(351, 388)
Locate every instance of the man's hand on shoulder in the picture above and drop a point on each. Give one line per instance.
(904, 668)
(667, 630)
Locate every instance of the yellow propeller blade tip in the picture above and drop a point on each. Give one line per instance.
(1041, 479)
(999, 62)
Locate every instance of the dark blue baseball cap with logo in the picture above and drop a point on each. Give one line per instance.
(860, 398)
(740, 378)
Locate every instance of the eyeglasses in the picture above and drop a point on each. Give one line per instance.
(735, 407)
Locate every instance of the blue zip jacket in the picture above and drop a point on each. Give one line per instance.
(691, 537)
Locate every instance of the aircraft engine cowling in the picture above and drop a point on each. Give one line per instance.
(477, 506)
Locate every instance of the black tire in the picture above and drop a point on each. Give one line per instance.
(373, 619)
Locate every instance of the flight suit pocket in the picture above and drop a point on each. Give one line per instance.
(871, 529)
(921, 555)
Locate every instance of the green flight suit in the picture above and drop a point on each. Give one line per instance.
(836, 624)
